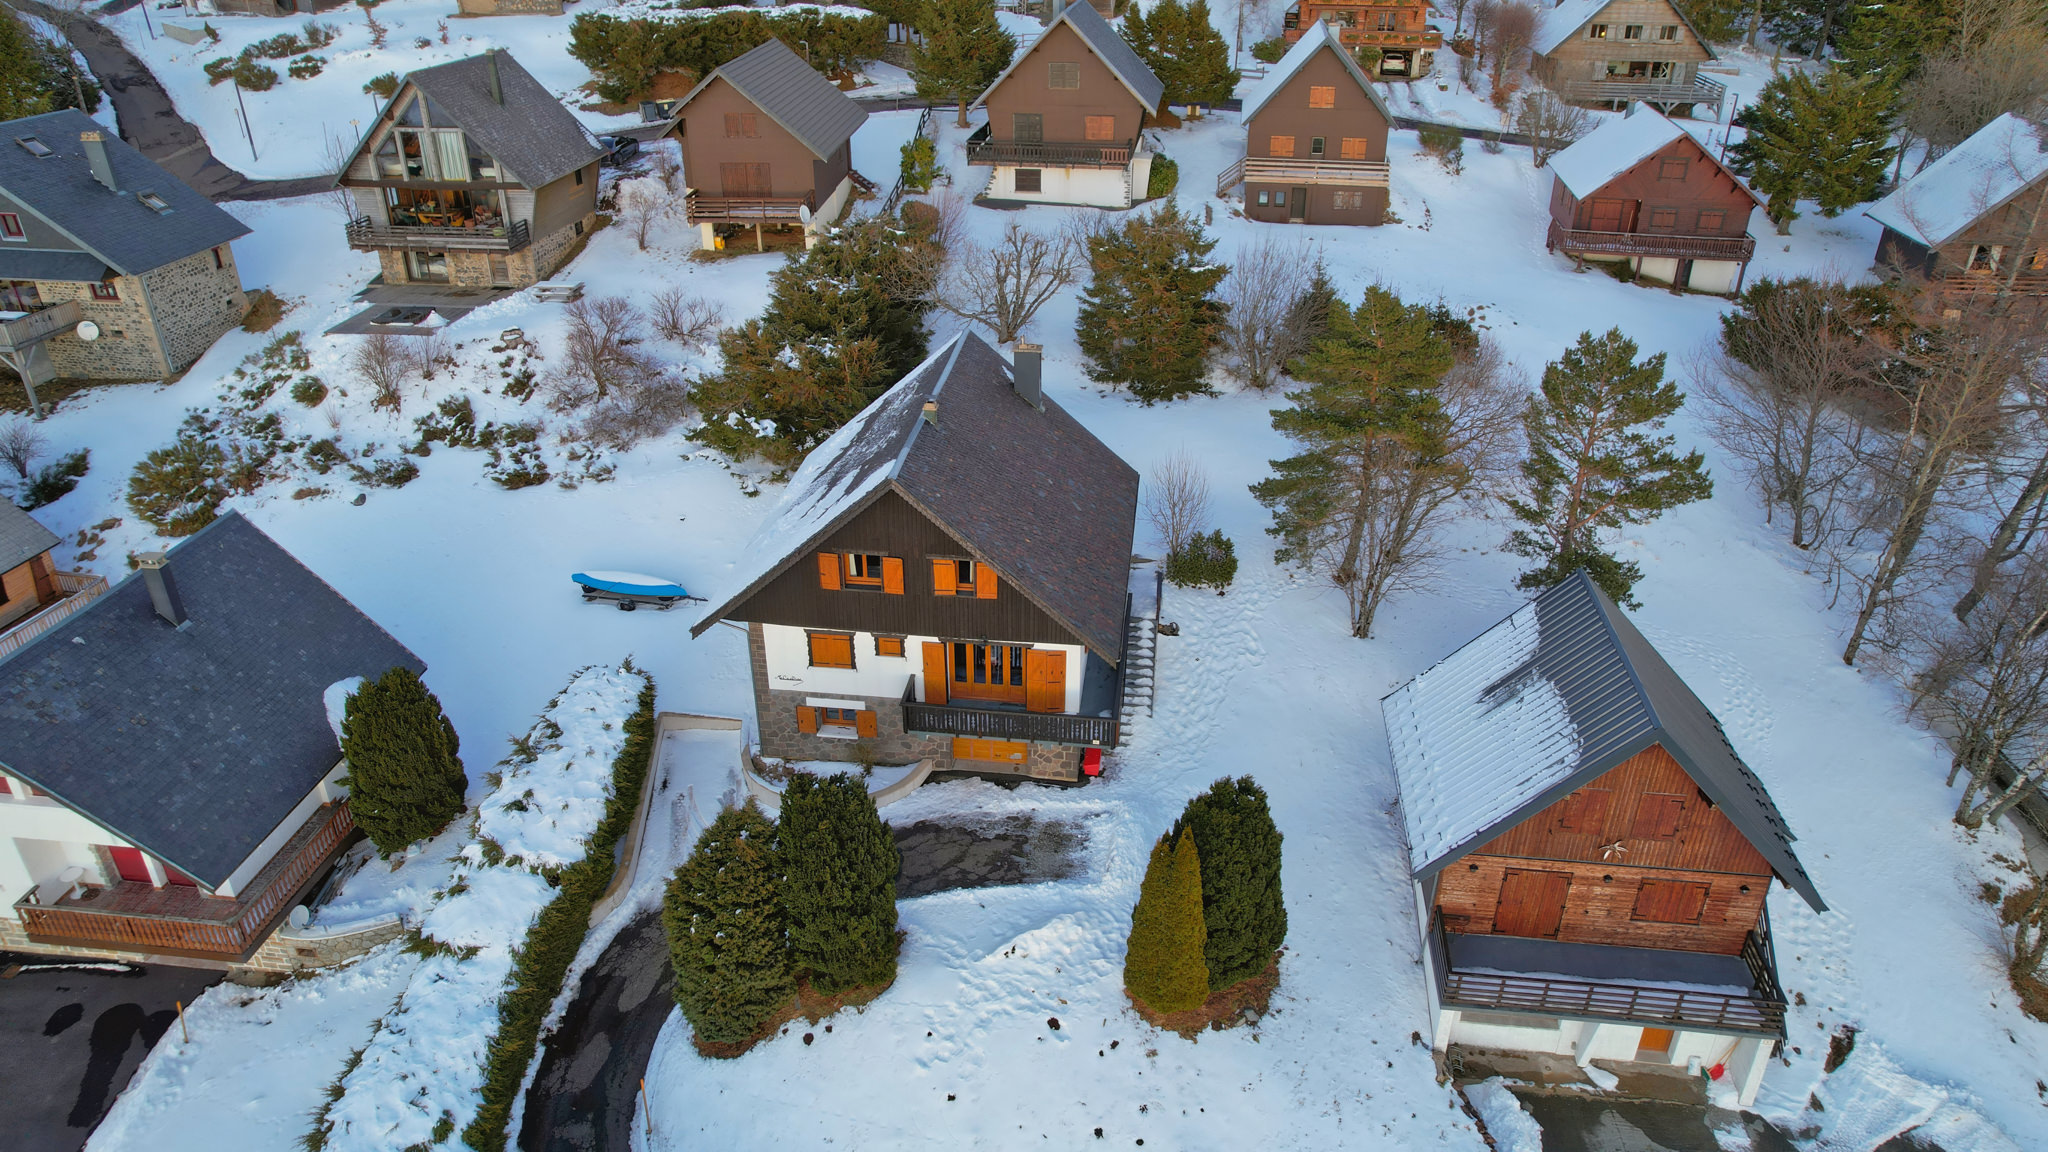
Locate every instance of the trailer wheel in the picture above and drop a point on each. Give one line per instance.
(627, 605)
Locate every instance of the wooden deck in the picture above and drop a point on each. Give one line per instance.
(1007, 723)
(1047, 154)
(1331, 173)
(1580, 242)
(365, 236)
(78, 588)
(748, 209)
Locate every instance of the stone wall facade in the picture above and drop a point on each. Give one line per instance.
(158, 323)
(283, 952)
(196, 301)
(523, 269)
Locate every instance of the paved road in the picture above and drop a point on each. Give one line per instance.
(69, 1042)
(588, 1084)
(1573, 1123)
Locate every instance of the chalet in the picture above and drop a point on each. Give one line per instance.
(1394, 36)
(1611, 52)
(773, 147)
(34, 593)
(472, 182)
(1315, 140)
(169, 779)
(111, 268)
(1641, 189)
(1976, 220)
(1590, 855)
(1066, 118)
(945, 580)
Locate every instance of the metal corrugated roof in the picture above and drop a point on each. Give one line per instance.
(21, 538)
(530, 133)
(791, 93)
(1108, 47)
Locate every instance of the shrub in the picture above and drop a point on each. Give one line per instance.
(218, 71)
(383, 87)
(319, 35)
(920, 164)
(1163, 967)
(453, 423)
(1446, 145)
(386, 473)
(265, 310)
(322, 455)
(727, 935)
(53, 481)
(1270, 51)
(405, 778)
(305, 67)
(178, 490)
(1165, 177)
(516, 461)
(1207, 562)
(839, 865)
(275, 47)
(1244, 918)
(255, 77)
(626, 53)
(309, 391)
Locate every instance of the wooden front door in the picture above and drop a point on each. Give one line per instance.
(1531, 903)
(744, 179)
(1613, 216)
(1655, 1046)
(1297, 205)
(988, 672)
(1045, 680)
(935, 676)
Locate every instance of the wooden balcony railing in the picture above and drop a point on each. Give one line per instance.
(24, 331)
(364, 235)
(79, 589)
(1664, 93)
(1047, 154)
(135, 917)
(1583, 242)
(749, 209)
(1006, 724)
(1276, 170)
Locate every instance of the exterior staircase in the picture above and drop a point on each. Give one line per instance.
(1141, 651)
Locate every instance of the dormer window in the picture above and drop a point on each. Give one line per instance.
(10, 227)
(154, 202)
(33, 146)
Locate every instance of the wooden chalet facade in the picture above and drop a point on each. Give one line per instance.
(1399, 30)
(34, 593)
(767, 143)
(1614, 52)
(1315, 140)
(1643, 190)
(1975, 222)
(1066, 119)
(946, 581)
(1591, 857)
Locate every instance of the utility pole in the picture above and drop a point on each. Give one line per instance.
(247, 130)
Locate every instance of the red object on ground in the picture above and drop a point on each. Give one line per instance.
(1717, 1071)
(1091, 761)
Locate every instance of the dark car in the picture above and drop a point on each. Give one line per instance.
(619, 151)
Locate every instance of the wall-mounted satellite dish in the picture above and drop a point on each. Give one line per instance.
(86, 331)
(803, 213)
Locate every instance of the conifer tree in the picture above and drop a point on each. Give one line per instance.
(1826, 140)
(1595, 464)
(963, 50)
(1163, 967)
(727, 938)
(1181, 46)
(1243, 916)
(24, 72)
(1149, 315)
(405, 779)
(839, 866)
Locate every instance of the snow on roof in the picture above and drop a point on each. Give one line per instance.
(1617, 145)
(1319, 36)
(1978, 176)
(1554, 26)
(672, 11)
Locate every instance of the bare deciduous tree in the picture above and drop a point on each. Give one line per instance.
(667, 168)
(384, 362)
(1967, 85)
(1514, 30)
(639, 210)
(20, 445)
(602, 354)
(1550, 124)
(1984, 686)
(1263, 329)
(1003, 285)
(681, 318)
(1177, 500)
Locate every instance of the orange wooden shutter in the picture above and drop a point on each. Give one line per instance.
(984, 581)
(1099, 127)
(1282, 146)
(892, 575)
(864, 722)
(934, 672)
(1322, 96)
(1354, 148)
(806, 719)
(828, 570)
(1045, 680)
(945, 579)
(1585, 810)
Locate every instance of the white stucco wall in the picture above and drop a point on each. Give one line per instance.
(1095, 187)
(1743, 1058)
(40, 838)
(789, 666)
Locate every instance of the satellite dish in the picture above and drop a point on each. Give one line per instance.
(299, 917)
(86, 331)
(803, 213)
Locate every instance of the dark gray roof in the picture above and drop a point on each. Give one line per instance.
(1056, 521)
(530, 133)
(116, 227)
(50, 264)
(21, 538)
(791, 93)
(1107, 45)
(1557, 694)
(194, 742)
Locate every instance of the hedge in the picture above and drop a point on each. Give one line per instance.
(627, 53)
(556, 936)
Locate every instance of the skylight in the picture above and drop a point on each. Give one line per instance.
(33, 146)
(153, 202)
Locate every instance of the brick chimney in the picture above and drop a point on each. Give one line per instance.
(96, 155)
(163, 590)
(1027, 374)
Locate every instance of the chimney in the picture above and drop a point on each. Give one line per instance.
(1027, 375)
(931, 413)
(96, 155)
(497, 87)
(163, 590)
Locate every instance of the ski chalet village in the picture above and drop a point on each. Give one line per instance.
(1381, 574)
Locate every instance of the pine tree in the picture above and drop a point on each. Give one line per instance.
(727, 939)
(1886, 43)
(963, 50)
(1243, 915)
(24, 72)
(1150, 315)
(1181, 46)
(405, 779)
(1594, 464)
(1163, 967)
(839, 866)
(1825, 140)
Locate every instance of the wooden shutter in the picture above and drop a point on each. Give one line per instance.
(892, 575)
(984, 581)
(806, 719)
(1281, 146)
(828, 570)
(831, 650)
(1657, 817)
(934, 673)
(1531, 903)
(1586, 810)
(1322, 96)
(945, 579)
(864, 723)
(1354, 148)
(1045, 680)
(1670, 902)
(1099, 127)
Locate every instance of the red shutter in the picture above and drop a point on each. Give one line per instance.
(130, 864)
(892, 575)
(828, 570)
(1657, 817)
(864, 723)
(806, 719)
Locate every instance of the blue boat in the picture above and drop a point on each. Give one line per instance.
(629, 590)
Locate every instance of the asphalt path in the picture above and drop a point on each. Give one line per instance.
(588, 1084)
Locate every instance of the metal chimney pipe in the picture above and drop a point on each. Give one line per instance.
(931, 413)
(497, 86)
(1027, 375)
(163, 590)
(96, 156)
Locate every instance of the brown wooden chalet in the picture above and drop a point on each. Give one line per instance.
(767, 142)
(1974, 222)
(1398, 30)
(1611, 52)
(34, 593)
(1643, 190)
(945, 581)
(1315, 140)
(1590, 854)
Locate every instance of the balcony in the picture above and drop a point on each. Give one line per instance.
(75, 591)
(175, 920)
(749, 209)
(1580, 242)
(364, 235)
(981, 149)
(1319, 172)
(24, 331)
(996, 722)
(1665, 94)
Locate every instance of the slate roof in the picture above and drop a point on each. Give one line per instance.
(790, 92)
(530, 133)
(1970, 181)
(1556, 25)
(1056, 521)
(50, 264)
(194, 742)
(116, 229)
(1560, 692)
(1620, 143)
(21, 538)
(1109, 47)
(1319, 37)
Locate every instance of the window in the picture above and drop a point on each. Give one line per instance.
(830, 649)
(1670, 902)
(33, 146)
(889, 646)
(1030, 180)
(963, 578)
(864, 568)
(1663, 219)
(1322, 96)
(1262, 198)
(1596, 32)
(1985, 257)
(838, 717)
(1099, 127)
(1668, 32)
(1354, 148)
(219, 261)
(1065, 76)
(428, 267)
(1657, 817)
(129, 864)
(1385, 22)
(1348, 199)
(1673, 168)
(742, 125)
(1341, 19)
(10, 227)
(1662, 69)
(579, 184)
(1027, 127)
(101, 290)
(154, 202)
(1280, 146)
(1711, 222)
(1632, 32)
(1585, 810)
(1315, 146)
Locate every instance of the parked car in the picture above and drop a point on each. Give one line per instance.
(619, 151)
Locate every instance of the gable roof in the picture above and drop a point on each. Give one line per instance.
(1619, 144)
(1556, 25)
(1563, 690)
(115, 229)
(21, 538)
(791, 93)
(531, 134)
(1121, 58)
(193, 742)
(1319, 37)
(1056, 521)
(1970, 181)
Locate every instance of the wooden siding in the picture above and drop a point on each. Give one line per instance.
(562, 203)
(792, 170)
(1600, 904)
(1287, 113)
(2020, 227)
(891, 526)
(1029, 89)
(1643, 191)
(1581, 59)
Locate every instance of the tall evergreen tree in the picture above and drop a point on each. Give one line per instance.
(963, 50)
(1163, 966)
(1243, 916)
(1595, 464)
(1181, 46)
(839, 866)
(727, 938)
(1885, 43)
(405, 779)
(1827, 140)
(1149, 315)
(24, 71)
